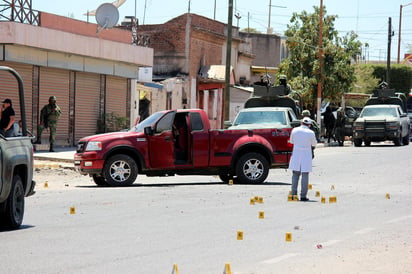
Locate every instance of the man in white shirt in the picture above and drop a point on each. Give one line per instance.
(303, 139)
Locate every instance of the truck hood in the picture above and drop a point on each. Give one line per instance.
(259, 126)
(378, 118)
(110, 136)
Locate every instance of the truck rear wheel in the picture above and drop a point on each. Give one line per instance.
(12, 217)
(252, 168)
(120, 170)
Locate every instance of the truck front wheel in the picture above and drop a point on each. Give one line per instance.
(357, 142)
(12, 217)
(252, 168)
(120, 170)
(99, 180)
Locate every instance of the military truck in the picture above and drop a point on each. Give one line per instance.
(383, 118)
(16, 172)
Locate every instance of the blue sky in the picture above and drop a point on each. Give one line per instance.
(369, 19)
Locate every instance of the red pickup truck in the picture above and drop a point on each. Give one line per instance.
(181, 142)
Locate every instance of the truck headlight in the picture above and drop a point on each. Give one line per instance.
(94, 146)
(392, 125)
(358, 126)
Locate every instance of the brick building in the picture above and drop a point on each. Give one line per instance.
(193, 47)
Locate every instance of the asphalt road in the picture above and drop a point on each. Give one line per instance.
(193, 222)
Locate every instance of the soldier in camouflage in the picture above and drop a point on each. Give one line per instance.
(49, 115)
(283, 81)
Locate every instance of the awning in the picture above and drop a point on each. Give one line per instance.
(260, 69)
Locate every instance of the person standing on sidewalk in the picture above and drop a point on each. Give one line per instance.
(49, 115)
(303, 139)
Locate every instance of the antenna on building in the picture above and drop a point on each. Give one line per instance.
(107, 16)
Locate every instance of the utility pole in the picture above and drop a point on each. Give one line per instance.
(226, 101)
(320, 57)
(400, 29)
(214, 12)
(269, 31)
(388, 60)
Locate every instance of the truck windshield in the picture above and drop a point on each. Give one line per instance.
(260, 117)
(149, 121)
(371, 112)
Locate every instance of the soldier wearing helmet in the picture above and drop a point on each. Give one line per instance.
(283, 81)
(314, 126)
(49, 115)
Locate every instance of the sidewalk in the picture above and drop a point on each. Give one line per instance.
(61, 158)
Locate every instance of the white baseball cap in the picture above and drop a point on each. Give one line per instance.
(307, 120)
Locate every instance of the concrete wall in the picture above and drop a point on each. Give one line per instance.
(265, 47)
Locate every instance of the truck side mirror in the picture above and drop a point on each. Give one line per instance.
(148, 131)
(227, 124)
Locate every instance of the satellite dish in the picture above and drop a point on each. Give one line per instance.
(107, 15)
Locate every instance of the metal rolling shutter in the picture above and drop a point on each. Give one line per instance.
(55, 82)
(8, 89)
(87, 102)
(116, 95)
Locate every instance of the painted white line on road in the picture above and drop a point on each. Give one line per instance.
(365, 230)
(399, 219)
(279, 258)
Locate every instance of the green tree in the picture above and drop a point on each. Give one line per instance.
(303, 67)
(250, 30)
(365, 80)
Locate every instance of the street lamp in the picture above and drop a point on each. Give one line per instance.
(400, 26)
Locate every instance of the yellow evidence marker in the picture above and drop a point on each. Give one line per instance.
(175, 269)
(317, 194)
(72, 210)
(240, 235)
(288, 236)
(227, 269)
(261, 215)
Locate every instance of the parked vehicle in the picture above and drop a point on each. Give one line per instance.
(409, 110)
(383, 118)
(16, 173)
(268, 107)
(181, 142)
(265, 117)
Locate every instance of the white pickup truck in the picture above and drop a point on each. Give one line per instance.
(382, 119)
